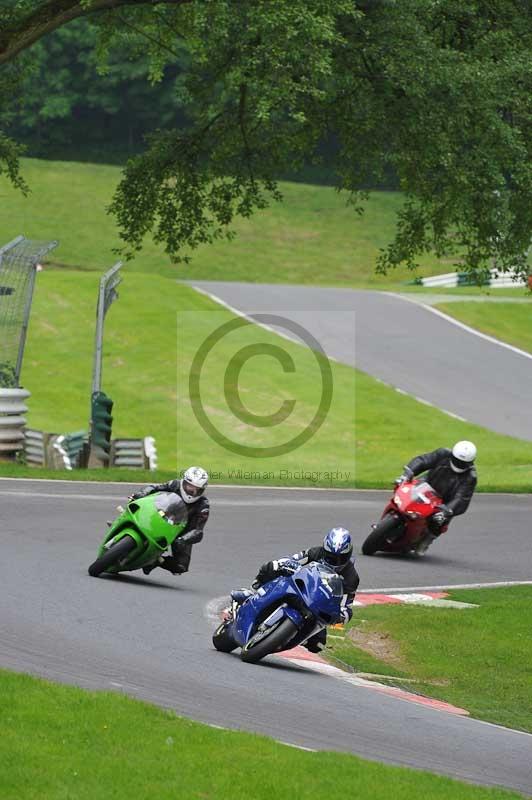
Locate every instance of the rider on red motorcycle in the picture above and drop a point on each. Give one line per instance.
(453, 477)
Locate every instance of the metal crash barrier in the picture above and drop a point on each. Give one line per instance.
(134, 453)
(55, 450)
(12, 421)
(70, 451)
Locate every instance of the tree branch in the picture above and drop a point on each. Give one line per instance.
(242, 125)
(52, 14)
(147, 36)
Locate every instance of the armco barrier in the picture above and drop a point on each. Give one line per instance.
(74, 444)
(133, 453)
(151, 452)
(52, 450)
(495, 279)
(12, 422)
(63, 451)
(56, 455)
(35, 447)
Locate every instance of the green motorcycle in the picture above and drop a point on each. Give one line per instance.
(141, 533)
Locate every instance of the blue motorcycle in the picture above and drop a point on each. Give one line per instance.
(283, 613)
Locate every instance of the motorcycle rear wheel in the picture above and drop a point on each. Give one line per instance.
(222, 639)
(377, 538)
(116, 553)
(272, 643)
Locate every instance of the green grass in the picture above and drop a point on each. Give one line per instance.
(312, 237)
(156, 327)
(146, 367)
(60, 742)
(510, 322)
(478, 659)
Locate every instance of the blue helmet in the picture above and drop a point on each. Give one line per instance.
(338, 547)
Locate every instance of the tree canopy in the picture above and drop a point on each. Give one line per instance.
(68, 106)
(438, 91)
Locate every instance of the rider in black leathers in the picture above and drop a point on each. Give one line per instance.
(452, 475)
(346, 569)
(190, 488)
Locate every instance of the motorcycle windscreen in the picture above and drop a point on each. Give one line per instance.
(172, 507)
(323, 573)
(321, 589)
(422, 493)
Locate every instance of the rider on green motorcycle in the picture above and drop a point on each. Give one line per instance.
(190, 488)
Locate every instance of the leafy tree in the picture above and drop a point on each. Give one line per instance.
(437, 90)
(69, 104)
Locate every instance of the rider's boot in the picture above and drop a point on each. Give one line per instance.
(149, 567)
(424, 544)
(238, 596)
(241, 595)
(317, 643)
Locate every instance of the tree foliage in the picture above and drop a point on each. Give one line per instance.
(436, 90)
(69, 105)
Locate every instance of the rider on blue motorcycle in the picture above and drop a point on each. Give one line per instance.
(336, 551)
(190, 488)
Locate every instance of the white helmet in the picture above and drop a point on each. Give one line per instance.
(463, 456)
(193, 484)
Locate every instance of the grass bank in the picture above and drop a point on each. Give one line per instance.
(59, 742)
(509, 322)
(478, 659)
(152, 335)
(312, 237)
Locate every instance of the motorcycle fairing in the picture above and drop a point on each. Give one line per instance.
(152, 522)
(310, 598)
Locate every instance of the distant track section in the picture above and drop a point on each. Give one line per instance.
(403, 343)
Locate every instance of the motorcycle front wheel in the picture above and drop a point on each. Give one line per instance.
(260, 645)
(378, 536)
(112, 557)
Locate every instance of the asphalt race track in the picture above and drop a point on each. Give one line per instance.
(405, 344)
(150, 636)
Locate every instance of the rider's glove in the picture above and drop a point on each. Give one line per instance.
(191, 537)
(406, 476)
(141, 493)
(345, 615)
(442, 516)
(287, 566)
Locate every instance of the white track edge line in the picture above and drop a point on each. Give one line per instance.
(234, 310)
(266, 327)
(240, 486)
(461, 325)
(487, 585)
(239, 730)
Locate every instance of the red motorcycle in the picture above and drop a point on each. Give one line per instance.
(403, 525)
